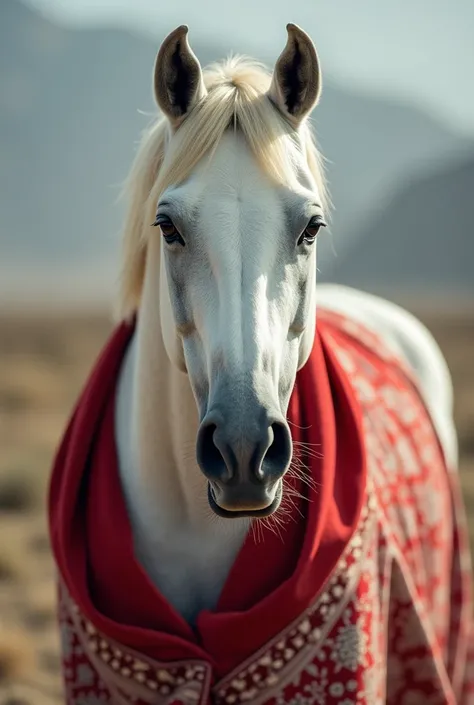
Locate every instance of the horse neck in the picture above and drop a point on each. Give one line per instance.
(160, 467)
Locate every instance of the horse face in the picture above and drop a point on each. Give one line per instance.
(238, 274)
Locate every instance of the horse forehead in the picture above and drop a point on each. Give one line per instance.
(234, 174)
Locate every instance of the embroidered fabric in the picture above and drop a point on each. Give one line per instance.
(393, 621)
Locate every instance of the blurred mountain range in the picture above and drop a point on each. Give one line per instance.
(424, 234)
(73, 103)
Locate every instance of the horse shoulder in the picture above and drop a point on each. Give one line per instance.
(409, 338)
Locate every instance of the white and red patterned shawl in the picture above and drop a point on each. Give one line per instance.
(364, 599)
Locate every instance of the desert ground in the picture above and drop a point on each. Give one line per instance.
(44, 360)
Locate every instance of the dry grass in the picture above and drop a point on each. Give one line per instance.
(16, 655)
(43, 363)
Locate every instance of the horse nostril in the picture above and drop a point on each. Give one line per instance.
(278, 454)
(280, 445)
(262, 456)
(209, 456)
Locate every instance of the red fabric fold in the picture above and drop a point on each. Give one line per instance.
(92, 540)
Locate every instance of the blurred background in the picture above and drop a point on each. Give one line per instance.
(395, 123)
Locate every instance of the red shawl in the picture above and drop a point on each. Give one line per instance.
(92, 540)
(105, 593)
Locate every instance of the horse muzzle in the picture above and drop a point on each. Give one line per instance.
(244, 457)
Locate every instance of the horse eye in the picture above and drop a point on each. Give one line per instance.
(311, 231)
(168, 230)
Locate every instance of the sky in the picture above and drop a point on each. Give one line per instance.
(421, 51)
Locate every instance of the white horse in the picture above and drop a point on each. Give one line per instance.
(227, 201)
(179, 451)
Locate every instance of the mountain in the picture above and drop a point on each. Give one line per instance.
(69, 121)
(422, 242)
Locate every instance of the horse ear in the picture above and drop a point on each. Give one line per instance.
(178, 79)
(296, 82)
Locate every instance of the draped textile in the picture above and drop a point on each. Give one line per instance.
(363, 597)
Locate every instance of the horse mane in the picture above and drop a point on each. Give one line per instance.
(236, 99)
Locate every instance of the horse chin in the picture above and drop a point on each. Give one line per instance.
(249, 513)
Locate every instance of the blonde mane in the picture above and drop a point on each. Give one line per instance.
(236, 99)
